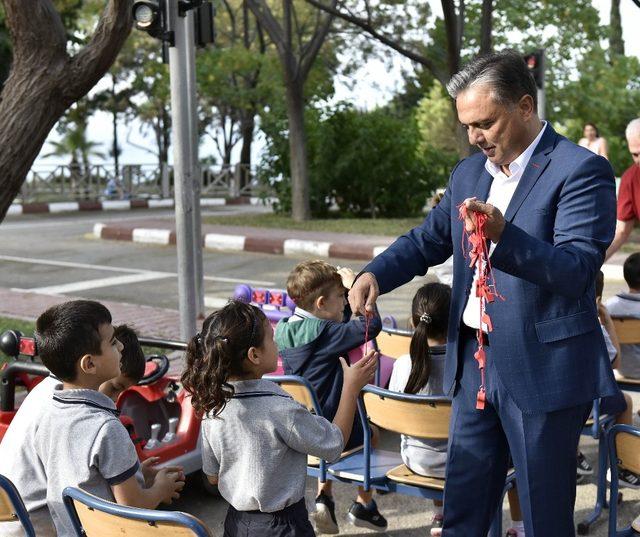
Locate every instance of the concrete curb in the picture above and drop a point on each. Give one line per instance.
(117, 205)
(279, 244)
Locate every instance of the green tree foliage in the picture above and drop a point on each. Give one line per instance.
(436, 121)
(360, 163)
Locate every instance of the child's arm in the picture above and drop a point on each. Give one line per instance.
(314, 435)
(340, 338)
(607, 322)
(166, 487)
(356, 377)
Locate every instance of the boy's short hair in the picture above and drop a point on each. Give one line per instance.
(133, 361)
(631, 270)
(310, 280)
(599, 283)
(66, 332)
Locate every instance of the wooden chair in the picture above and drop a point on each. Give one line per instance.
(94, 517)
(628, 332)
(12, 507)
(624, 451)
(393, 342)
(422, 416)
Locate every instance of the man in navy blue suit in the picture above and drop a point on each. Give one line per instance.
(551, 213)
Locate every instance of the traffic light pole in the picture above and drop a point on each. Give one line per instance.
(197, 173)
(184, 166)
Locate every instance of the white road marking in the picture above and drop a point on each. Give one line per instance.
(215, 303)
(303, 247)
(150, 236)
(218, 241)
(70, 264)
(114, 281)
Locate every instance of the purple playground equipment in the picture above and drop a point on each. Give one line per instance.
(277, 304)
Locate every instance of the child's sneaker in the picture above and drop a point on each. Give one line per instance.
(367, 517)
(584, 468)
(513, 532)
(436, 526)
(635, 525)
(325, 516)
(626, 478)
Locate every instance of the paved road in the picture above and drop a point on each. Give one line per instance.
(57, 255)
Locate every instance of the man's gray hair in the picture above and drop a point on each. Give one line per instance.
(633, 129)
(505, 73)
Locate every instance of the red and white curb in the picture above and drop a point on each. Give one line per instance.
(117, 205)
(244, 243)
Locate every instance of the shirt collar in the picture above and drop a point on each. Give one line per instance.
(92, 398)
(255, 386)
(299, 315)
(521, 162)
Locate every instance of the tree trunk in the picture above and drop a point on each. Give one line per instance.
(486, 27)
(301, 209)
(246, 131)
(616, 42)
(45, 81)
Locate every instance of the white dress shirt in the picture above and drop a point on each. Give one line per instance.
(500, 194)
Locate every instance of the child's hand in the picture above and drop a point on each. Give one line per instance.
(361, 373)
(604, 314)
(150, 469)
(348, 276)
(169, 483)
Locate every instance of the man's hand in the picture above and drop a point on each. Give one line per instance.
(363, 294)
(495, 221)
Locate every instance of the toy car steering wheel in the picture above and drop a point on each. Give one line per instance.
(156, 368)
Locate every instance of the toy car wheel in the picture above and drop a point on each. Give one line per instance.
(211, 490)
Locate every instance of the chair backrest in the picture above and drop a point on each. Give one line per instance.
(394, 343)
(627, 330)
(300, 389)
(95, 517)
(423, 416)
(12, 507)
(628, 451)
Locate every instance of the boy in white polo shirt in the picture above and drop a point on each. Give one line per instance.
(76, 342)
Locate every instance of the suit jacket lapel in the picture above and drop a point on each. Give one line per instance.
(537, 164)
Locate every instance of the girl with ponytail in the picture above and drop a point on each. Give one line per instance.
(422, 372)
(255, 437)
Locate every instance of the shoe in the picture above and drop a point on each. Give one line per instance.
(512, 532)
(364, 517)
(325, 515)
(626, 478)
(584, 468)
(579, 479)
(436, 526)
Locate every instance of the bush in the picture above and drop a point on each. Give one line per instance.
(360, 163)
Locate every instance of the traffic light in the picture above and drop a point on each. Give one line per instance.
(535, 63)
(151, 16)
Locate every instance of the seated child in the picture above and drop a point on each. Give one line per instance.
(628, 305)
(76, 342)
(310, 344)
(28, 417)
(132, 363)
(422, 372)
(620, 404)
(255, 437)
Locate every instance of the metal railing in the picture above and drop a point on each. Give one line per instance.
(101, 181)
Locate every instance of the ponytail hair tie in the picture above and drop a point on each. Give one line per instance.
(425, 318)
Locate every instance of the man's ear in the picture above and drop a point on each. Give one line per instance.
(87, 364)
(526, 107)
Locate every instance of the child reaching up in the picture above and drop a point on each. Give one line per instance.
(255, 437)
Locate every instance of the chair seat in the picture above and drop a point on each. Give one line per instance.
(352, 466)
(626, 380)
(402, 474)
(315, 461)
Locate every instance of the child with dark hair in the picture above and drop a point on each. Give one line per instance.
(78, 439)
(310, 342)
(422, 372)
(628, 305)
(132, 363)
(255, 437)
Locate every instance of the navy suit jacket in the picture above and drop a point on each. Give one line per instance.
(547, 344)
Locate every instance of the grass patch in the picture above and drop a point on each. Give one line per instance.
(365, 226)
